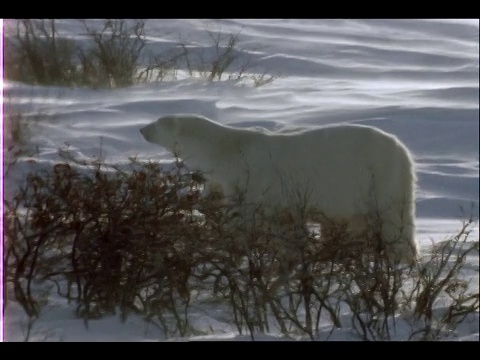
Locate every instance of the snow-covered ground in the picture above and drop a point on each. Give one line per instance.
(417, 79)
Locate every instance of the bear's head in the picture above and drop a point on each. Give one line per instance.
(172, 131)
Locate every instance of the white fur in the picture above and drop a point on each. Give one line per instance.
(342, 170)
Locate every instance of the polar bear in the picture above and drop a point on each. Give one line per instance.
(345, 172)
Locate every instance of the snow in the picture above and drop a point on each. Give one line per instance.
(417, 79)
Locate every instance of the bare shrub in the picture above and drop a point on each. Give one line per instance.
(160, 67)
(114, 56)
(293, 280)
(113, 61)
(275, 273)
(106, 241)
(38, 55)
(440, 296)
(224, 60)
(382, 295)
(145, 241)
